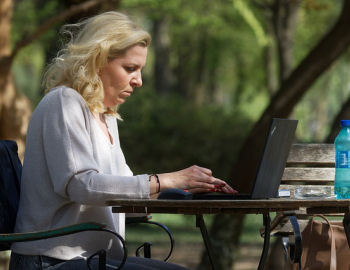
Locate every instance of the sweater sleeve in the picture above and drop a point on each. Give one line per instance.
(69, 155)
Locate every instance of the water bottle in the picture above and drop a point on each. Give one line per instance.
(342, 161)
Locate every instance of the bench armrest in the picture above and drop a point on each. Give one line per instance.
(145, 220)
(31, 236)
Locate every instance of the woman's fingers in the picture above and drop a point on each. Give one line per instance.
(228, 189)
(216, 185)
(200, 179)
(205, 170)
(199, 171)
(225, 189)
(212, 182)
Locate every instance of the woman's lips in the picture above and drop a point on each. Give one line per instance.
(127, 93)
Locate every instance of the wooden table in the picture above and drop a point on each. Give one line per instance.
(200, 207)
(310, 206)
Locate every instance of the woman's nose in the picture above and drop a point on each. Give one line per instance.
(137, 80)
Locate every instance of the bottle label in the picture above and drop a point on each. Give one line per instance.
(342, 159)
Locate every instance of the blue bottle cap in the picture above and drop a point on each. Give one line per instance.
(345, 123)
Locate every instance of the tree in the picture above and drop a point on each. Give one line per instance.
(162, 72)
(344, 113)
(15, 109)
(195, 53)
(292, 89)
(281, 18)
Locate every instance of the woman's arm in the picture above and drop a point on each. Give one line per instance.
(195, 179)
(62, 123)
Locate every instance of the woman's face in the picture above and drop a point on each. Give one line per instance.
(122, 75)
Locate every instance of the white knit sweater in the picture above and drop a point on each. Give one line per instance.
(70, 169)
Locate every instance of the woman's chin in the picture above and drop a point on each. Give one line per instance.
(115, 103)
(120, 101)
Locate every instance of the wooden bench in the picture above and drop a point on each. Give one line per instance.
(307, 164)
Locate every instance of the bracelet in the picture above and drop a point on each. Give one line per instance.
(157, 179)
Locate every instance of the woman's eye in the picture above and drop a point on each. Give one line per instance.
(130, 69)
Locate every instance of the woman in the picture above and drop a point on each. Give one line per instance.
(73, 161)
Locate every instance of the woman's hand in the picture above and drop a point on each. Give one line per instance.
(195, 179)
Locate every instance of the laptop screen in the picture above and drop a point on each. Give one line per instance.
(277, 145)
(270, 170)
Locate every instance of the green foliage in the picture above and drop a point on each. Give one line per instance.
(251, 20)
(231, 34)
(27, 70)
(317, 113)
(28, 66)
(315, 19)
(325, 98)
(28, 15)
(211, 48)
(165, 133)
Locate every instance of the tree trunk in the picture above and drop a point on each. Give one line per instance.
(284, 23)
(183, 77)
(163, 78)
(214, 93)
(271, 80)
(5, 52)
(281, 18)
(321, 106)
(291, 91)
(333, 44)
(14, 108)
(344, 113)
(199, 86)
(192, 56)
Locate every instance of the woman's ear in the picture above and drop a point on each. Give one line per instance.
(100, 71)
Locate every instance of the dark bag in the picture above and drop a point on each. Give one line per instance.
(10, 176)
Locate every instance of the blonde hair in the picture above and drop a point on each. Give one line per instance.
(94, 42)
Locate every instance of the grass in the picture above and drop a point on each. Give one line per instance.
(184, 229)
(188, 240)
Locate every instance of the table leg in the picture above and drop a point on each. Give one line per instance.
(265, 251)
(200, 223)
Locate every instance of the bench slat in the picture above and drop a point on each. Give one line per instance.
(308, 164)
(311, 175)
(321, 154)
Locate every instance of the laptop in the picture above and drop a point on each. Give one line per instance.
(278, 142)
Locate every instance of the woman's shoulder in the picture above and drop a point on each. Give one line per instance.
(59, 100)
(63, 92)
(61, 104)
(63, 96)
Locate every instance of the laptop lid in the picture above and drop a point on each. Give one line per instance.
(273, 161)
(270, 170)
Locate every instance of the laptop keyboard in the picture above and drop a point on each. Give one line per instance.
(221, 196)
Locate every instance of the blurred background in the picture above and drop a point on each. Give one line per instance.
(217, 72)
